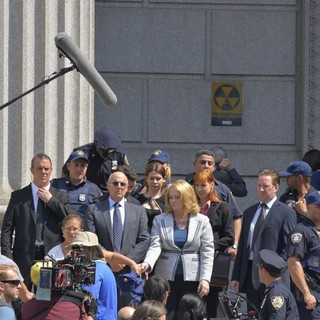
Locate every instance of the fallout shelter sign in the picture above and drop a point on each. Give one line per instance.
(226, 104)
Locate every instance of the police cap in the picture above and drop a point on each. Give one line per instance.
(79, 154)
(107, 138)
(272, 262)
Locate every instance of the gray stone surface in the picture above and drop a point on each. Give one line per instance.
(180, 112)
(148, 40)
(254, 42)
(126, 115)
(228, 2)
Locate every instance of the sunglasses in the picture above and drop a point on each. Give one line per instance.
(13, 282)
(116, 183)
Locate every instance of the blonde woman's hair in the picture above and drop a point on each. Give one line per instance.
(187, 195)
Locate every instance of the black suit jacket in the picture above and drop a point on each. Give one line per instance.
(273, 235)
(136, 238)
(20, 217)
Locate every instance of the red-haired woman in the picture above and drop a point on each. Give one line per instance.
(221, 220)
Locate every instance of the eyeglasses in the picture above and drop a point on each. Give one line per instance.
(13, 282)
(116, 183)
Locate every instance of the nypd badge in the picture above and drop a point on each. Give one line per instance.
(277, 302)
(80, 152)
(82, 197)
(296, 238)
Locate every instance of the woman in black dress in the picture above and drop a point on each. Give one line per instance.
(152, 194)
(221, 220)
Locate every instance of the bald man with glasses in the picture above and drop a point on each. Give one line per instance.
(120, 226)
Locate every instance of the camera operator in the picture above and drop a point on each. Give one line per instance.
(104, 287)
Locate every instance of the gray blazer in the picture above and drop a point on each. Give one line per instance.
(196, 254)
(135, 241)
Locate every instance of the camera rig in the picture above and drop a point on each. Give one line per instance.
(71, 273)
(231, 308)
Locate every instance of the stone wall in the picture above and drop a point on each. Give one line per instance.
(161, 56)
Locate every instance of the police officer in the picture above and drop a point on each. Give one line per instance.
(278, 302)
(81, 192)
(103, 156)
(304, 259)
(298, 177)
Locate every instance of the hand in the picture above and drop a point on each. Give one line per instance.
(310, 300)
(144, 266)
(233, 252)
(234, 285)
(301, 206)
(203, 288)
(137, 268)
(225, 165)
(44, 195)
(90, 305)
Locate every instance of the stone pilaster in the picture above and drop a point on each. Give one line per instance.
(56, 117)
(313, 83)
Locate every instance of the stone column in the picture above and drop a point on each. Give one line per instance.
(312, 73)
(56, 117)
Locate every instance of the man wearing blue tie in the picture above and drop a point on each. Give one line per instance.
(120, 226)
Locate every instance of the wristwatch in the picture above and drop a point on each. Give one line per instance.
(235, 246)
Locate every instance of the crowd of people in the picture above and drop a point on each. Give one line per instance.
(153, 241)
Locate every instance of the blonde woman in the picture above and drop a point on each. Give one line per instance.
(181, 246)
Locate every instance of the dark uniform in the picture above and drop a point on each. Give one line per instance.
(304, 241)
(80, 196)
(278, 302)
(100, 168)
(289, 197)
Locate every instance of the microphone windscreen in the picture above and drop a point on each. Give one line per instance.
(66, 45)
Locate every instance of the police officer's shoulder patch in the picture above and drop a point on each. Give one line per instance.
(296, 238)
(277, 302)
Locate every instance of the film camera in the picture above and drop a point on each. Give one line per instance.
(70, 273)
(231, 308)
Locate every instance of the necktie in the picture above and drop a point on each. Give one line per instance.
(262, 215)
(39, 220)
(117, 228)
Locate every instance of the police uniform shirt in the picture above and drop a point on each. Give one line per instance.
(302, 238)
(80, 196)
(304, 241)
(279, 303)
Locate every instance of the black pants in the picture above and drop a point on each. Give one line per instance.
(212, 302)
(178, 288)
(254, 296)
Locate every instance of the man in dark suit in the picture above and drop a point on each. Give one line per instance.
(34, 213)
(266, 225)
(120, 226)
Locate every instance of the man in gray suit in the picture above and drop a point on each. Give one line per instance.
(120, 226)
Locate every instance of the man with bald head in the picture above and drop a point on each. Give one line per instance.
(120, 226)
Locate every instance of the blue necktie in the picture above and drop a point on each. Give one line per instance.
(117, 228)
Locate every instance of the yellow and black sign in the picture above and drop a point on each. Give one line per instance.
(226, 104)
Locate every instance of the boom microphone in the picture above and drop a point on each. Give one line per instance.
(65, 45)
